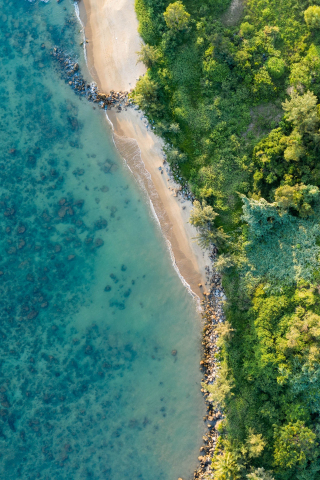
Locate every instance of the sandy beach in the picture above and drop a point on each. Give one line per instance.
(111, 29)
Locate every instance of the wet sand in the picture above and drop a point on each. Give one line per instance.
(111, 28)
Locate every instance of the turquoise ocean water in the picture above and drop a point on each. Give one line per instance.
(91, 307)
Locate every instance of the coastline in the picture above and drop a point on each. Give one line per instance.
(111, 29)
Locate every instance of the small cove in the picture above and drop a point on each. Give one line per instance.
(91, 307)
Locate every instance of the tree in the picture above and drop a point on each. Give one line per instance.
(312, 16)
(262, 86)
(145, 94)
(295, 149)
(223, 262)
(176, 16)
(255, 444)
(301, 110)
(275, 67)
(202, 217)
(298, 197)
(174, 156)
(260, 474)
(148, 55)
(295, 444)
(174, 128)
(225, 332)
(226, 467)
(221, 388)
(246, 29)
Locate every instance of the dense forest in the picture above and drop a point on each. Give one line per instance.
(233, 89)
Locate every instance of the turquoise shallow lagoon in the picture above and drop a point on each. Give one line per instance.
(91, 307)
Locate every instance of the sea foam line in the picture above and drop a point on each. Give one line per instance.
(147, 174)
(154, 213)
(76, 8)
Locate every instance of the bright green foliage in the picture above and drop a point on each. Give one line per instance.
(260, 474)
(302, 111)
(300, 198)
(176, 16)
(255, 445)
(262, 85)
(312, 16)
(305, 73)
(224, 262)
(148, 55)
(146, 93)
(226, 467)
(225, 332)
(275, 67)
(295, 444)
(246, 29)
(221, 388)
(289, 159)
(202, 217)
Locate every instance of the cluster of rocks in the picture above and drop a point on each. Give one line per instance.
(118, 100)
(181, 186)
(213, 315)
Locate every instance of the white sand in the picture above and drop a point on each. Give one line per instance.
(112, 31)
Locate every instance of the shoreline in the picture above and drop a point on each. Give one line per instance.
(113, 66)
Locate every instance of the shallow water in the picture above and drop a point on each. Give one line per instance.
(91, 307)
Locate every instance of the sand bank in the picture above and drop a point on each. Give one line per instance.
(111, 29)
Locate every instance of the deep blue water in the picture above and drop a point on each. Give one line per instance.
(91, 307)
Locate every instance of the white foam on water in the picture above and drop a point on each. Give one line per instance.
(76, 8)
(146, 174)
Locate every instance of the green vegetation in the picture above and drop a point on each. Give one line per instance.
(235, 95)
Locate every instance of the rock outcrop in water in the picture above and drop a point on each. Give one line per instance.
(118, 100)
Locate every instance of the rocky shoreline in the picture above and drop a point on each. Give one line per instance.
(70, 69)
(213, 315)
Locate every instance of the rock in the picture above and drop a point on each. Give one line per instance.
(62, 211)
(33, 314)
(99, 242)
(21, 244)
(174, 352)
(9, 212)
(71, 257)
